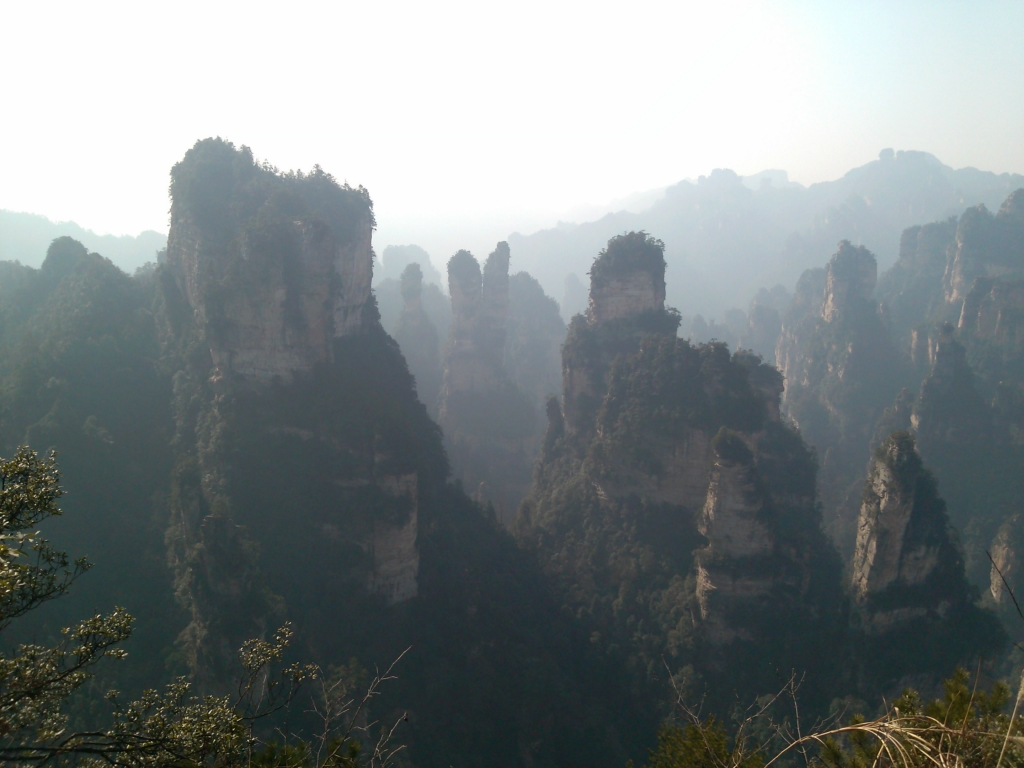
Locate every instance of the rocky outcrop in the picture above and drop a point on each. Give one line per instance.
(671, 503)
(396, 559)
(271, 295)
(627, 279)
(471, 362)
(912, 290)
(993, 311)
(798, 324)
(1005, 573)
(842, 371)
(627, 301)
(832, 324)
(970, 450)
(950, 408)
(890, 550)
(905, 566)
(986, 246)
(849, 282)
(732, 522)
(493, 321)
(284, 372)
(625, 295)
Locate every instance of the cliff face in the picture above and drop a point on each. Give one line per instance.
(417, 337)
(798, 324)
(913, 290)
(959, 436)
(629, 272)
(395, 556)
(986, 246)
(627, 279)
(967, 272)
(1005, 570)
(954, 302)
(901, 532)
(732, 521)
(908, 579)
(624, 296)
(266, 297)
(993, 310)
(842, 371)
(471, 362)
(313, 487)
(669, 495)
(849, 282)
(271, 294)
(488, 421)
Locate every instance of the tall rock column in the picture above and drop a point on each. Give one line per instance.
(417, 337)
(732, 521)
(672, 505)
(957, 436)
(266, 309)
(487, 421)
(627, 294)
(913, 608)
(905, 566)
(494, 305)
(465, 368)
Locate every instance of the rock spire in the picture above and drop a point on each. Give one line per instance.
(905, 564)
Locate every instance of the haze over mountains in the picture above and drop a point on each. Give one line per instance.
(25, 237)
(570, 524)
(534, 385)
(725, 235)
(724, 240)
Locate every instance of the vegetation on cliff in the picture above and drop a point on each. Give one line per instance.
(618, 513)
(284, 499)
(241, 435)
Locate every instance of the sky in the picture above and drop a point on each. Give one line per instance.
(467, 121)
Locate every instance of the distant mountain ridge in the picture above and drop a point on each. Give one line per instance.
(25, 237)
(726, 237)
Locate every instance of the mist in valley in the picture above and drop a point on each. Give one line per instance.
(551, 385)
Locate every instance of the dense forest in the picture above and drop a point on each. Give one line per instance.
(449, 528)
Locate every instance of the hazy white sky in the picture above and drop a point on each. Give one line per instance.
(469, 120)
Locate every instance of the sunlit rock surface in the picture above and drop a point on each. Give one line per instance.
(271, 303)
(905, 565)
